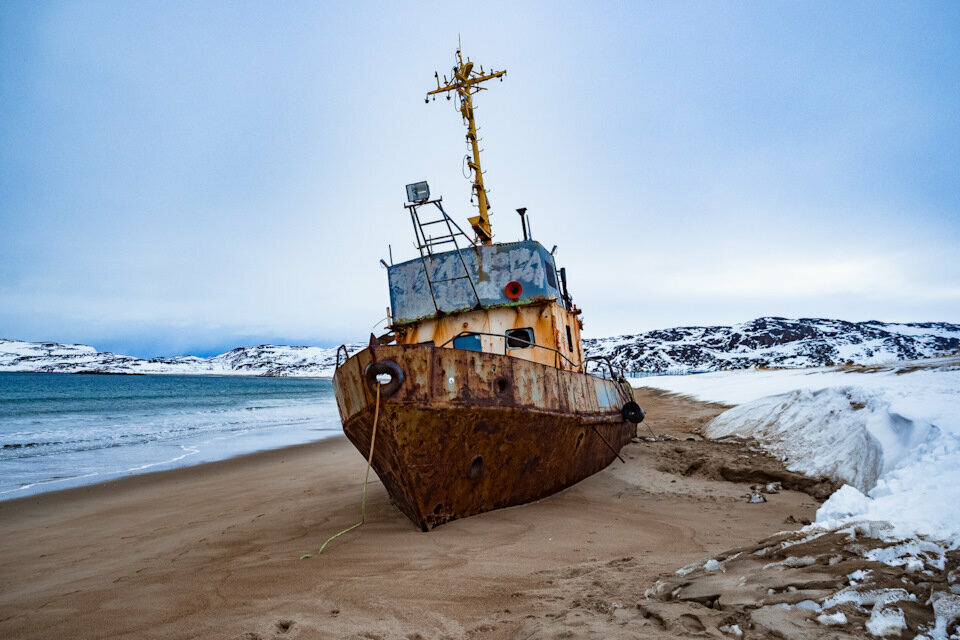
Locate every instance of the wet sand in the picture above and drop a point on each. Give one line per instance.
(214, 551)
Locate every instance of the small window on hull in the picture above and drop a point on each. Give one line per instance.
(520, 338)
(569, 339)
(469, 343)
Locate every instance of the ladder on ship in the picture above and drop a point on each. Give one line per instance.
(426, 245)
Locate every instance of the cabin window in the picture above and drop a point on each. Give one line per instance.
(428, 343)
(569, 339)
(551, 274)
(519, 338)
(470, 343)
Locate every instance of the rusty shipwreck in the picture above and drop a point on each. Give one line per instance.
(480, 391)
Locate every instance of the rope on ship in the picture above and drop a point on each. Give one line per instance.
(366, 477)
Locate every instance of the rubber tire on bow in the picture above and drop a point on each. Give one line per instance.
(381, 367)
(632, 412)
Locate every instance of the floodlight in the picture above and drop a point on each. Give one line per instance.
(418, 192)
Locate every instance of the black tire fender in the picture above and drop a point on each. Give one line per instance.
(632, 412)
(381, 367)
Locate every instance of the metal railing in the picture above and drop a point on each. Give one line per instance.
(346, 355)
(426, 244)
(508, 339)
(671, 371)
(616, 373)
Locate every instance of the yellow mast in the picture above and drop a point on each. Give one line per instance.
(465, 82)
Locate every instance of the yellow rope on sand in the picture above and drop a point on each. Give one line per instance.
(366, 477)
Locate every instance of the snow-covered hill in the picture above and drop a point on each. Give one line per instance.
(261, 360)
(764, 342)
(777, 342)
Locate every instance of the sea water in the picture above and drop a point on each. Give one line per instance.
(60, 430)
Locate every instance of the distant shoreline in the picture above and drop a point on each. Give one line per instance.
(763, 342)
(192, 374)
(177, 474)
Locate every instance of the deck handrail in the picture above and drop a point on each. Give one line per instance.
(505, 337)
(346, 355)
(613, 369)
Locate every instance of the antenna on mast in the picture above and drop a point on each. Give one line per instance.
(465, 81)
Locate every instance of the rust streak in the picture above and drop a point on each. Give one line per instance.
(503, 433)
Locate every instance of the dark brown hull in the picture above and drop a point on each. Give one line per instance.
(467, 432)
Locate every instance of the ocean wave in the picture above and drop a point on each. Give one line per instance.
(56, 433)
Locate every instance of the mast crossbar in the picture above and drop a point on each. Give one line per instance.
(465, 81)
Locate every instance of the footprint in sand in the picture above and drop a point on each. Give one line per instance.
(652, 616)
(691, 623)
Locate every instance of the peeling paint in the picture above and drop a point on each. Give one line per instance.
(530, 423)
(490, 266)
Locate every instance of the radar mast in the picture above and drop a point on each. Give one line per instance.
(465, 81)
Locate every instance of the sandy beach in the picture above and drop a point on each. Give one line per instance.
(214, 550)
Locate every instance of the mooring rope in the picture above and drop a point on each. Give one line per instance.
(366, 477)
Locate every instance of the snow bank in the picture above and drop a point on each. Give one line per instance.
(738, 387)
(893, 435)
(845, 433)
(918, 497)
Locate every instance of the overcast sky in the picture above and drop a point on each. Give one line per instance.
(185, 177)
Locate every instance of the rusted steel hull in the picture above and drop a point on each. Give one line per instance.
(468, 432)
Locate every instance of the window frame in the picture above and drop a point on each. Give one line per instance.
(468, 338)
(529, 336)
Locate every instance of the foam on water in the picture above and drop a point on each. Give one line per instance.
(59, 430)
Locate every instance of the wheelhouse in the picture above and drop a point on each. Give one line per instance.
(506, 298)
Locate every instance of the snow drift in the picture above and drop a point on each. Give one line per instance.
(846, 433)
(892, 435)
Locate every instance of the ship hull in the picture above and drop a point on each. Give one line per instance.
(468, 432)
